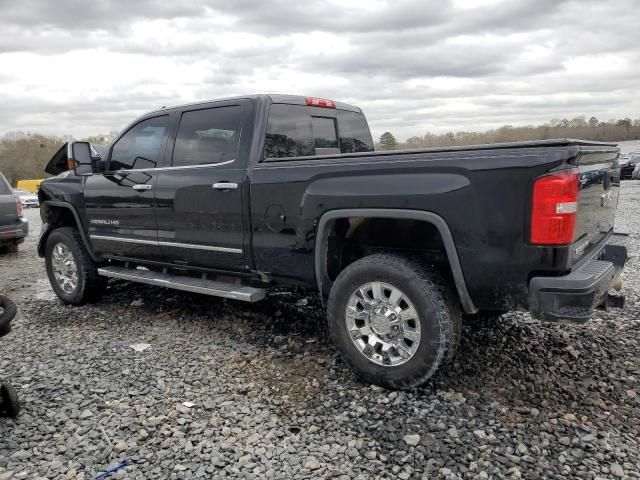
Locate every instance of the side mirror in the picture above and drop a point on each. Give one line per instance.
(79, 158)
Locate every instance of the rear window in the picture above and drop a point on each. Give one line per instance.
(298, 131)
(5, 188)
(325, 133)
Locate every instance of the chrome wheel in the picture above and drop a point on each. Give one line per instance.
(64, 267)
(383, 324)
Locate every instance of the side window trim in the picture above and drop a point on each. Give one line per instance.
(163, 143)
(174, 136)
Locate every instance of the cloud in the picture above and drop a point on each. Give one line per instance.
(98, 14)
(78, 67)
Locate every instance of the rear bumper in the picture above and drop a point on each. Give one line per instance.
(573, 297)
(17, 231)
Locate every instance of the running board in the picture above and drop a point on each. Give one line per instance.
(188, 284)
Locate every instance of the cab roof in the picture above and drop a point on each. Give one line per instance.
(270, 98)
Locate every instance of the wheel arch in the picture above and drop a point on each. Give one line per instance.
(325, 226)
(49, 213)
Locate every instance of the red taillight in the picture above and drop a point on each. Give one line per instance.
(19, 207)
(320, 102)
(554, 209)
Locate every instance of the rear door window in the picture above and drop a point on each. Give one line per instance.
(208, 136)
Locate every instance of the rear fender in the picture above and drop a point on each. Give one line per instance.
(323, 280)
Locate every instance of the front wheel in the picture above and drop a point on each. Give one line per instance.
(393, 320)
(72, 273)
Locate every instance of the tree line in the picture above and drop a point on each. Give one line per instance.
(25, 155)
(616, 130)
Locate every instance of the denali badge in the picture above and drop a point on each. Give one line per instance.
(101, 221)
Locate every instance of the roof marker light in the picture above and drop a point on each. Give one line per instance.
(320, 102)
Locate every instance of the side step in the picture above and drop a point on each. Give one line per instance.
(188, 284)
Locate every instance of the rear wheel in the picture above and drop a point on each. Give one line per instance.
(71, 271)
(393, 320)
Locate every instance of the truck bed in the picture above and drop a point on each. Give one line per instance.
(557, 142)
(483, 192)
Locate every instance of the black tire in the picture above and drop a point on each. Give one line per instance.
(8, 311)
(90, 285)
(437, 307)
(9, 402)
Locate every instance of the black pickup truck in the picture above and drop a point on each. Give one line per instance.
(230, 197)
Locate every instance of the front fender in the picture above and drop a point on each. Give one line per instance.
(47, 228)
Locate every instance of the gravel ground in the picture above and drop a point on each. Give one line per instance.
(269, 398)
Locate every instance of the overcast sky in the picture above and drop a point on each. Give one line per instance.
(84, 67)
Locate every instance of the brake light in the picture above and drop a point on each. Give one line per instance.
(19, 207)
(320, 102)
(554, 208)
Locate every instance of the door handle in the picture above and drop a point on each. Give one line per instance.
(225, 186)
(139, 188)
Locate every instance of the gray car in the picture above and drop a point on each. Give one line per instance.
(13, 228)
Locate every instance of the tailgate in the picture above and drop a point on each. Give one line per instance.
(599, 187)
